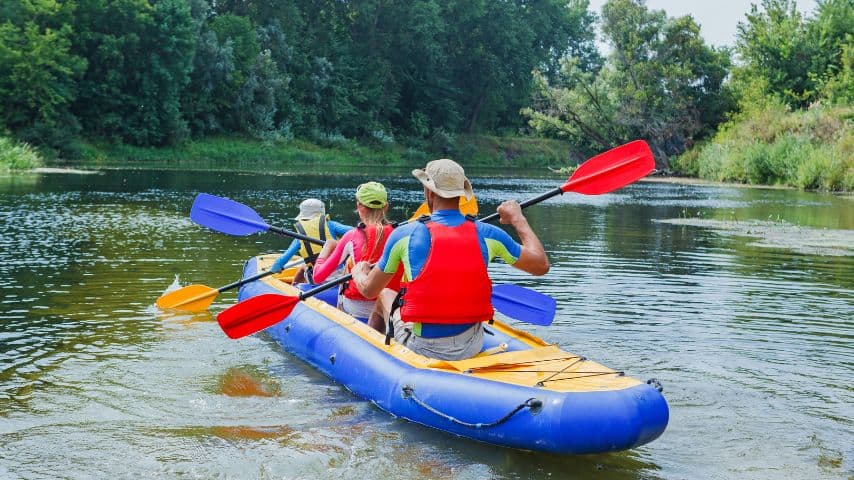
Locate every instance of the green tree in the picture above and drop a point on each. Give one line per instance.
(833, 31)
(140, 55)
(256, 106)
(206, 100)
(494, 47)
(775, 44)
(796, 59)
(169, 44)
(661, 83)
(38, 72)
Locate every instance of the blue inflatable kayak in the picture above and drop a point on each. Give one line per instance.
(521, 392)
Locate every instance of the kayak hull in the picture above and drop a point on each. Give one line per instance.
(528, 417)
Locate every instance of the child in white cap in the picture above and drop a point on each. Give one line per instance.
(312, 221)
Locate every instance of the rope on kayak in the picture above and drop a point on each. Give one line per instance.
(564, 369)
(532, 403)
(576, 377)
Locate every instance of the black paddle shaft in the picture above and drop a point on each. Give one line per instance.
(246, 280)
(299, 236)
(326, 286)
(251, 279)
(527, 203)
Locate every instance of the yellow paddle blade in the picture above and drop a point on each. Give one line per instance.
(192, 298)
(467, 207)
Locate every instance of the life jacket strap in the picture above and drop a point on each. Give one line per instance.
(308, 246)
(395, 305)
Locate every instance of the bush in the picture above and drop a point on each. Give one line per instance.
(413, 156)
(810, 149)
(442, 142)
(331, 140)
(686, 164)
(383, 138)
(17, 155)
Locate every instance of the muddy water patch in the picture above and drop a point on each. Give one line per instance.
(248, 381)
(805, 240)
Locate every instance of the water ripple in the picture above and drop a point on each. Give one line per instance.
(752, 343)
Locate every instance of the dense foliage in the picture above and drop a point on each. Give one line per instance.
(798, 60)
(810, 149)
(662, 83)
(795, 85)
(153, 72)
(420, 74)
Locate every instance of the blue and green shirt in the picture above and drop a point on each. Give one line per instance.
(409, 245)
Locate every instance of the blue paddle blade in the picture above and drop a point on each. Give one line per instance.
(524, 304)
(226, 216)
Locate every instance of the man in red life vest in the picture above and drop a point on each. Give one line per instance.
(446, 292)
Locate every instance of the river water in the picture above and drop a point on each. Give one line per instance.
(694, 285)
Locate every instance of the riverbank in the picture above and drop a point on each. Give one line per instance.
(792, 155)
(329, 154)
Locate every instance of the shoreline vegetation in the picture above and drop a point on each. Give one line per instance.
(809, 149)
(495, 85)
(773, 148)
(18, 156)
(479, 151)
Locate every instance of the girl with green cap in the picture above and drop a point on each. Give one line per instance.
(363, 243)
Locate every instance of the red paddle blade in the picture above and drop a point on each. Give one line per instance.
(255, 314)
(611, 170)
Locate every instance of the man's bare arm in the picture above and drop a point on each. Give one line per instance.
(533, 258)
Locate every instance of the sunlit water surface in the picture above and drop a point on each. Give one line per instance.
(752, 344)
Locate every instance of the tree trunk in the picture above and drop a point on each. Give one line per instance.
(662, 161)
(475, 114)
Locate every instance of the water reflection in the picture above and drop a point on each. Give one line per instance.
(752, 343)
(247, 381)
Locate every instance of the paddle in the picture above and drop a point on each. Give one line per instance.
(524, 304)
(197, 298)
(603, 173)
(261, 311)
(227, 216)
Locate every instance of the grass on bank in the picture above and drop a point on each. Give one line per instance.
(809, 149)
(16, 156)
(334, 151)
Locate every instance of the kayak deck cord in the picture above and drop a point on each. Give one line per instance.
(584, 375)
(564, 369)
(510, 368)
(505, 365)
(532, 403)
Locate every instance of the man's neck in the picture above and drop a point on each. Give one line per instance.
(440, 203)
